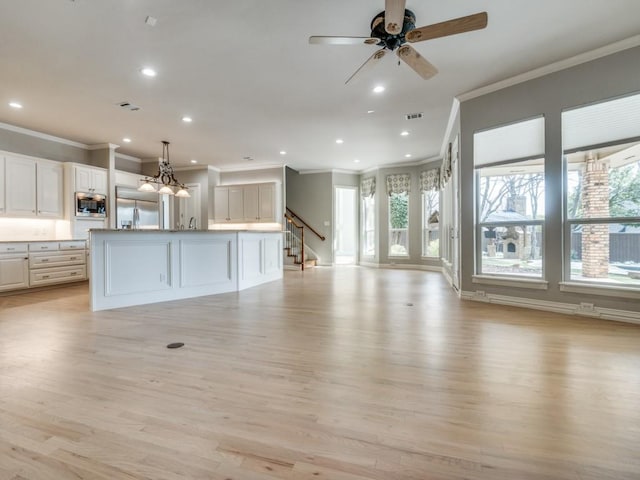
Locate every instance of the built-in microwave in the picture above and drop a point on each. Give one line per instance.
(91, 205)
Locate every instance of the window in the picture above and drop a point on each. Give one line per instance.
(430, 188)
(367, 192)
(369, 226)
(399, 224)
(510, 192)
(602, 195)
(398, 188)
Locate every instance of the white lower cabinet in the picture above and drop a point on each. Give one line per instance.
(53, 262)
(14, 266)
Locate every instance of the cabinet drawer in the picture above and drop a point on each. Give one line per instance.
(76, 245)
(60, 259)
(13, 247)
(43, 246)
(45, 276)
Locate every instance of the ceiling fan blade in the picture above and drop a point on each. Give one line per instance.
(394, 16)
(469, 23)
(319, 40)
(370, 63)
(417, 62)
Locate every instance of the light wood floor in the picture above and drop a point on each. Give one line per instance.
(341, 374)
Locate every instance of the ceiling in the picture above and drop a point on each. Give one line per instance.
(244, 71)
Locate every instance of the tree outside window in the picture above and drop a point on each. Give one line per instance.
(398, 224)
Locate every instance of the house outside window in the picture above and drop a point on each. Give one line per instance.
(398, 188)
(602, 193)
(510, 193)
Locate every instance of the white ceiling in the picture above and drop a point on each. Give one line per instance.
(243, 69)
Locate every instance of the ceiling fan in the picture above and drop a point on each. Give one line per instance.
(394, 27)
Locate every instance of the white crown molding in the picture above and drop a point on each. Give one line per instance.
(42, 136)
(557, 307)
(245, 169)
(553, 67)
(369, 170)
(102, 146)
(128, 157)
(329, 170)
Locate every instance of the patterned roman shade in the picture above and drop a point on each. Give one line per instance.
(430, 180)
(398, 183)
(368, 187)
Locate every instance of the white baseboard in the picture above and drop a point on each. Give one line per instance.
(402, 266)
(583, 309)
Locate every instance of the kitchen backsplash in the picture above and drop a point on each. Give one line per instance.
(12, 229)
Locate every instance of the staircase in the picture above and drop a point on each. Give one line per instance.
(296, 251)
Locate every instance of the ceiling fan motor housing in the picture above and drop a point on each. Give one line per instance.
(387, 40)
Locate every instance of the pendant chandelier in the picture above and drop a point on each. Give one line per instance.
(164, 179)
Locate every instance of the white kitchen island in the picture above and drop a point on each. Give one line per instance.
(135, 267)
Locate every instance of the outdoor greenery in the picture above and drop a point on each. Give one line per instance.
(399, 210)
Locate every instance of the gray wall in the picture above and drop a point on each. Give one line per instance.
(607, 77)
(311, 196)
(37, 147)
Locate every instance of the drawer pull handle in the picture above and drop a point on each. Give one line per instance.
(45, 276)
(10, 249)
(73, 258)
(73, 273)
(44, 260)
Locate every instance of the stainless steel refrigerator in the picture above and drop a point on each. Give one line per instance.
(137, 210)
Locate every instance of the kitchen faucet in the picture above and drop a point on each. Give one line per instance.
(192, 223)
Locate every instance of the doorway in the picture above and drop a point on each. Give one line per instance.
(345, 245)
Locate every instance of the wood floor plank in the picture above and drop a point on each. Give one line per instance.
(336, 373)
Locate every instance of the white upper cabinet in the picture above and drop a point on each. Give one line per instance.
(20, 186)
(228, 204)
(50, 189)
(90, 180)
(2, 185)
(245, 203)
(251, 207)
(267, 202)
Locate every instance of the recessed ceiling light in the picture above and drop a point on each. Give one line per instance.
(408, 155)
(404, 134)
(356, 161)
(15, 105)
(126, 140)
(282, 152)
(186, 119)
(370, 111)
(378, 89)
(149, 72)
(194, 161)
(339, 141)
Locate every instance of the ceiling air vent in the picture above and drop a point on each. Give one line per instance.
(129, 106)
(414, 116)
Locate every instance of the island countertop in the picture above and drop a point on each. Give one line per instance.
(135, 267)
